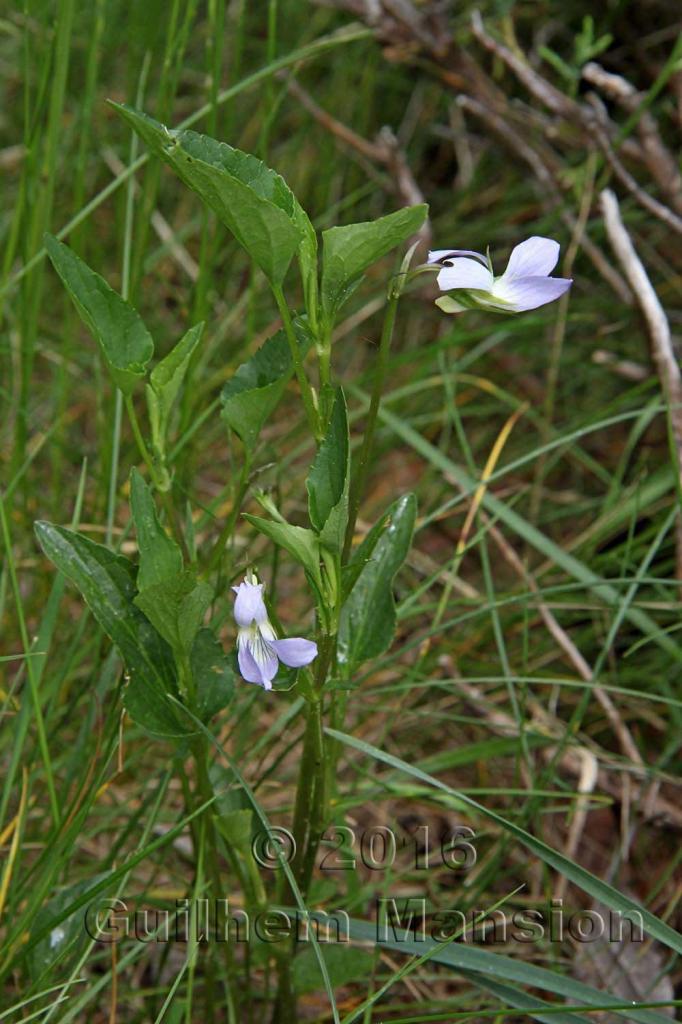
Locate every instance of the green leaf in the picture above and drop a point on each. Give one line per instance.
(107, 583)
(235, 827)
(368, 615)
(349, 251)
(125, 342)
(253, 201)
(250, 396)
(213, 674)
(344, 963)
(589, 883)
(160, 556)
(328, 479)
(486, 969)
(169, 595)
(301, 544)
(165, 381)
(176, 607)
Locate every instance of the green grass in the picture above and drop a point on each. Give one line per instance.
(473, 714)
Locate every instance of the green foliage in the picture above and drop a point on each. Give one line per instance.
(345, 964)
(214, 676)
(253, 201)
(349, 251)
(302, 544)
(328, 480)
(250, 396)
(171, 597)
(586, 46)
(584, 492)
(368, 615)
(165, 382)
(107, 583)
(123, 338)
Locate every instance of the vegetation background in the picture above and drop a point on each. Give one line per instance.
(538, 660)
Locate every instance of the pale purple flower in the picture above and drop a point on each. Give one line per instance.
(258, 649)
(525, 284)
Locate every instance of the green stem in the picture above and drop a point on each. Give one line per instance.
(360, 478)
(307, 392)
(219, 547)
(113, 471)
(165, 497)
(200, 752)
(309, 819)
(308, 783)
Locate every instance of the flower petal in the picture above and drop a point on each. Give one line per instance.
(529, 292)
(463, 273)
(295, 651)
(441, 255)
(257, 664)
(249, 605)
(536, 257)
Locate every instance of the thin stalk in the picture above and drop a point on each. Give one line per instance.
(228, 529)
(30, 667)
(165, 497)
(113, 470)
(307, 392)
(204, 794)
(360, 478)
(125, 293)
(310, 812)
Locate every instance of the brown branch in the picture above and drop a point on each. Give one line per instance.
(598, 121)
(660, 161)
(657, 324)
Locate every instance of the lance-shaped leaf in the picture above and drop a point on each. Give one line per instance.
(214, 676)
(250, 396)
(125, 342)
(349, 251)
(165, 381)
(301, 544)
(252, 200)
(368, 615)
(107, 583)
(171, 597)
(328, 479)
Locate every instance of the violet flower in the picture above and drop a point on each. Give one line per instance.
(258, 649)
(525, 284)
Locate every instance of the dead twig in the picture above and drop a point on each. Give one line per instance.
(599, 121)
(657, 324)
(660, 161)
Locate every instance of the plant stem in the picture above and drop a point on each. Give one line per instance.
(219, 547)
(360, 478)
(307, 393)
(204, 791)
(166, 500)
(113, 472)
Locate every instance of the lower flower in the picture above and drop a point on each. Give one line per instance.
(259, 652)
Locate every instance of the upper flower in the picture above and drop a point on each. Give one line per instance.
(258, 649)
(525, 283)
